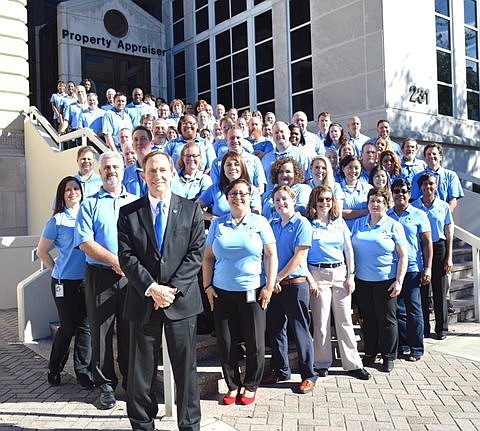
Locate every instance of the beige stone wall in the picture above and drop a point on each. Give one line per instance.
(14, 89)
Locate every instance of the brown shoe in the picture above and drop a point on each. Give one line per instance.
(306, 386)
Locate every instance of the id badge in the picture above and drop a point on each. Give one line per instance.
(251, 297)
(59, 290)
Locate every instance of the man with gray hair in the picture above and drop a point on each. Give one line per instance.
(96, 236)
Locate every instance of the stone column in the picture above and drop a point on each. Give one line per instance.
(14, 89)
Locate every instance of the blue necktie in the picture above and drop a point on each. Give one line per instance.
(160, 222)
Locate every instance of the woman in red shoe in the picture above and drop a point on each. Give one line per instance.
(238, 290)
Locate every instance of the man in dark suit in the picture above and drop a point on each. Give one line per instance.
(160, 248)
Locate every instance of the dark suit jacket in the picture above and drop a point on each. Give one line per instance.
(179, 265)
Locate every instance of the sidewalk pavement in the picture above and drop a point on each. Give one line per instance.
(440, 392)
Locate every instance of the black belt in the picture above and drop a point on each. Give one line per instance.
(327, 265)
(296, 280)
(97, 265)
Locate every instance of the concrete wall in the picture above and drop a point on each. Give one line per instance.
(14, 90)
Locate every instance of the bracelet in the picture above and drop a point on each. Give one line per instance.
(208, 287)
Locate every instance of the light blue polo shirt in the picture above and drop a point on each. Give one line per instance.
(92, 119)
(90, 186)
(296, 233)
(254, 169)
(328, 242)
(374, 248)
(221, 147)
(191, 188)
(215, 199)
(414, 222)
(113, 121)
(133, 181)
(136, 112)
(174, 149)
(70, 262)
(97, 220)
(355, 199)
(410, 169)
(238, 251)
(448, 184)
(439, 215)
(72, 114)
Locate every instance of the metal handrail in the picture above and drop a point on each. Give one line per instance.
(84, 134)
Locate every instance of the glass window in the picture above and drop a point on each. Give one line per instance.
(222, 43)
(470, 10)
(265, 87)
(266, 107)
(258, 2)
(201, 20)
(239, 37)
(264, 56)
(203, 53)
(205, 96)
(200, 3)
(302, 75)
(178, 35)
(299, 12)
(224, 72)
(263, 26)
(471, 43)
(240, 65)
(444, 67)
(203, 78)
(300, 44)
(472, 75)
(224, 95)
(443, 32)
(180, 87)
(241, 94)
(177, 6)
(303, 102)
(445, 105)
(179, 62)
(238, 6)
(222, 12)
(473, 106)
(441, 6)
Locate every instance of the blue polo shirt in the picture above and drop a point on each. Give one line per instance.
(328, 241)
(296, 233)
(302, 195)
(92, 119)
(90, 186)
(271, 157)
(133, 181)
(113, 121)
(215, 198)
(97, 220)
(448, 184)
(57, 99)
(174, 149)
(439, 215)
(414, 222)
(410, 169)
(191, 188)
(72, 114)
(253, 164)
(238, 251)
(355, 199)
(374, 248)
(70, 262)
(136, 112)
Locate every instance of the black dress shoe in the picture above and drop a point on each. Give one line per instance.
(368, 360)
(322, 372)
(53, 378)
(439, 337)
(450, 307)
(107, 397)
(85, 381)
(360, 373)
(387, 365)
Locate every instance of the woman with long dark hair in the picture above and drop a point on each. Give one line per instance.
(67, 288)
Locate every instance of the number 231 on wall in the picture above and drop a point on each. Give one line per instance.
(419, 95)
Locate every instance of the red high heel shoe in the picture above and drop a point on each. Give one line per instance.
(245, 401)
(229, 400)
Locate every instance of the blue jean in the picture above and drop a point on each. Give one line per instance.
(410, 316)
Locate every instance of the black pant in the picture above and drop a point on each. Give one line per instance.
(145, 339)
(380, 329)
(73, 323)
(104, 298)
(234, 317)
(439, 285)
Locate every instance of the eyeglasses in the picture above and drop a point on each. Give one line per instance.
(402, 191)
(239, 194)
(191, 156)
(324, 200)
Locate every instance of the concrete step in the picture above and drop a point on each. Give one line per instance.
(461, 288)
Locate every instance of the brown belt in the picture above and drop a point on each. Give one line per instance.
(296, 280)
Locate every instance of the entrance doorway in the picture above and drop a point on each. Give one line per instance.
(111, 70)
